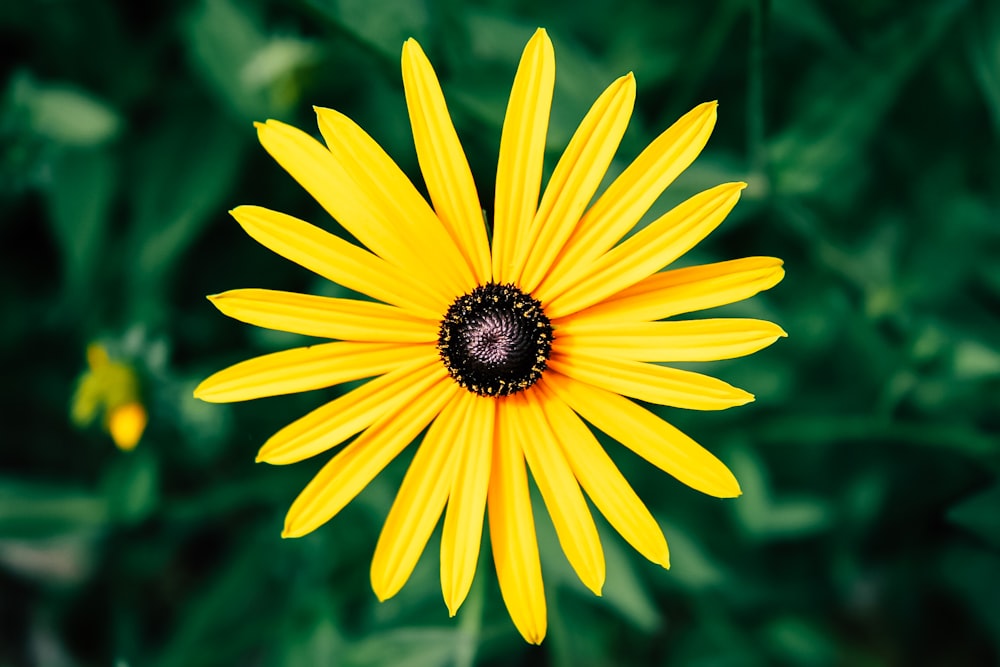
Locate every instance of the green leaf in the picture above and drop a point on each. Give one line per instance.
(980, 514)
(403, 647)
(195, 159)
(975, 576)
(132, 485)
(844, 105)
(691, 566)
(40, 510)
(983, 45)
(254, 74)
(65, 113)
(384, 29)
(765, 516)
(79, 199)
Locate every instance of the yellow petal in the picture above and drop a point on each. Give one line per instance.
(687, 290)
(337, 260)
(645, 253)
(522, 151)
(442, 161)
(631, 195)
(331, 424)
(390, 195)
(686, 340)
(570, 515)
(512, 532)
(419, 503)
(302, 369)
(602, 480)
(576, 177)
(463, 522)
(348, 198)
(351, 469)
(647, 435)
(648, 382)
(344, 319)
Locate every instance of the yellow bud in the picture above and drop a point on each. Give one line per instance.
(126, 424)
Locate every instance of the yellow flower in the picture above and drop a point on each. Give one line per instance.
(111, 389)
(499, 348)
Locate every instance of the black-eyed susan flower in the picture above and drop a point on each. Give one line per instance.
(502, 348)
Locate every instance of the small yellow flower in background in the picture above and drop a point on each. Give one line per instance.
(109, 389)
(501, 348)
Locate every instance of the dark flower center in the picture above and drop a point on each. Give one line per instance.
(496, 340)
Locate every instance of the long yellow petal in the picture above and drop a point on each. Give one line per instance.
(331, 424)
(648, 382)
(685, 340)
(522, 151)
(570, 515)
(325, 317)
(645, 253)
(687, 290)
(419, 503)
(631, 195)
(602, 480)
(647, 435)
(433, 256)
(302, 369)
(463, 522)
(335, 187)
(339, 261)
(443, 163)
(512, 531)
(351, 469)
(576, 177)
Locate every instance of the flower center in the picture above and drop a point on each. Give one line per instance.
(495, 340)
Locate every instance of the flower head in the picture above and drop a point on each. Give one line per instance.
(110, 389)
(502, 347)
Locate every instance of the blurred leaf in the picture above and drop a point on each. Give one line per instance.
(974, 360)
(132, 485)
(316, 640)
(39, 510)
(847, 101)
(225, 614)
(983, 45)
(64, 113)
(975, 575)
(980, 514)
(64, 560)
(767, 517)
(384, 29)
(79, 200)
(195, 159)
(825, 430)
(252, 73)
(403, 647)
(691, 566)
(799, 641)
(806, 19)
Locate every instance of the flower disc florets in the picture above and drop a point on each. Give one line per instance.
(496, 340)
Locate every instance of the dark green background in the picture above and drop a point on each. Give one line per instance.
(869, 532)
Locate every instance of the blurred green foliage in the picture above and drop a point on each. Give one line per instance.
(869, 532)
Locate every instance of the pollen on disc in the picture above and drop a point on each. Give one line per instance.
(496, 340)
